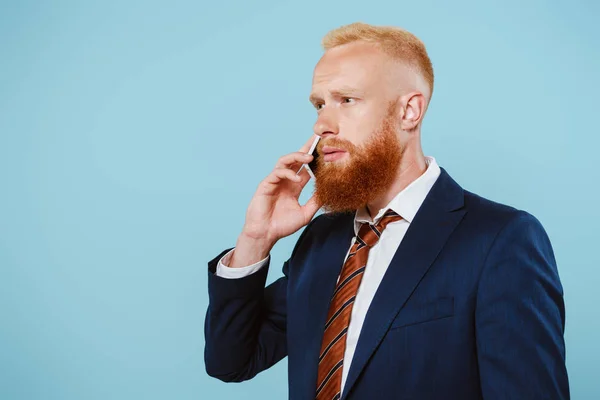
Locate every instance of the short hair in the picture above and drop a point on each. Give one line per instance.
(396, 42)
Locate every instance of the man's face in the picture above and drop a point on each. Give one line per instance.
(351, 91)
(357, 121)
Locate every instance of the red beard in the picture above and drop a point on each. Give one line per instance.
(370, 170)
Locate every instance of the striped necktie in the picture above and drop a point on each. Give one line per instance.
(331, 357)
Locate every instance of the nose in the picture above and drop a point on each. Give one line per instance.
(326, 124)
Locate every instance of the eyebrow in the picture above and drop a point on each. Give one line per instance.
(345, 91)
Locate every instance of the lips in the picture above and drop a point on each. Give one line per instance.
(332, 153)
(329, 149)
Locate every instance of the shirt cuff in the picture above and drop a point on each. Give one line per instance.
(224, 271)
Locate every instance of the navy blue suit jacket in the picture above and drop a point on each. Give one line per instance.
(471, 307)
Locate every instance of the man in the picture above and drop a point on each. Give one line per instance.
(408, 286)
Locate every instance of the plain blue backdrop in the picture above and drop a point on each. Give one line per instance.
(133, 134)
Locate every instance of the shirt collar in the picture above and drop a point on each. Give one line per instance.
(408, 201)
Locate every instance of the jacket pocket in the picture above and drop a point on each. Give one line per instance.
(424, 312)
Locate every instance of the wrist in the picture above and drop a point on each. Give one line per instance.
(250, 250)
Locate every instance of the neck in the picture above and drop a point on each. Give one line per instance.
(411, 167)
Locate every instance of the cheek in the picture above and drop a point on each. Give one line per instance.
(357, 126)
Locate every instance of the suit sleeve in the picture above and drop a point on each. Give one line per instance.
(520, 316)
(245, 325)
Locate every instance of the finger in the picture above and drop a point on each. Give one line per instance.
(304, 177)
(291, 159)
(311, 207)
(280, 174)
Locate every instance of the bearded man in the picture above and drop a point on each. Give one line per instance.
(408, 286)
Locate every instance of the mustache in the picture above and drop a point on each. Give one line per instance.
(336, 142)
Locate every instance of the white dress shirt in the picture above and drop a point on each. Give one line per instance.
(406, 204)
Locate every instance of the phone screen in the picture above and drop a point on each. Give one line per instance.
(313, 163)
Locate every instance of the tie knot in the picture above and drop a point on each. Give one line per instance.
(370, 234)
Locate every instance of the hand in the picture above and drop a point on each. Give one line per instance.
(274, 211)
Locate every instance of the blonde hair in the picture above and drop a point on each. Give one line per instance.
(396, 42)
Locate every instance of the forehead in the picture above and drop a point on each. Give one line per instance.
(360, 65)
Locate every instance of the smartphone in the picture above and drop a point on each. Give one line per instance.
(311, 167)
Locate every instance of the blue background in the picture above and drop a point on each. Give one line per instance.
(133, 134)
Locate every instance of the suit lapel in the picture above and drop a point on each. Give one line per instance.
(435, 221)
(325, 265)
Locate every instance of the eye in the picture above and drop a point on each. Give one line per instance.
(319, 106)
(348, 100)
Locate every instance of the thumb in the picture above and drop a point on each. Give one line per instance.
(310, 208)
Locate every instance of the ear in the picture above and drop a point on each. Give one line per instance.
(413, 112)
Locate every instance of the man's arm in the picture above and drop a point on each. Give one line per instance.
(520, 316)
(245, 326)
